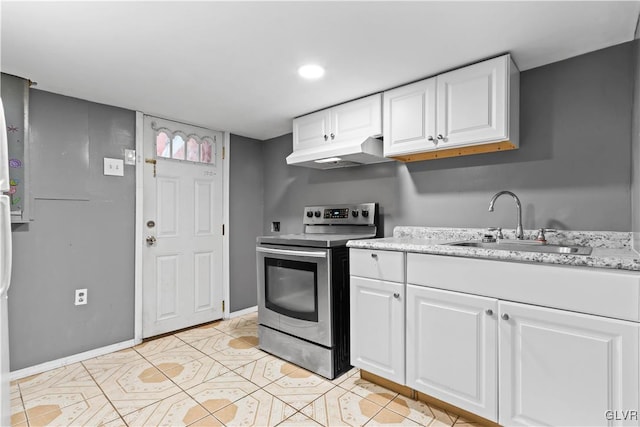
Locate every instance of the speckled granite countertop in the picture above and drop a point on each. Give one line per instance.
(610, 249)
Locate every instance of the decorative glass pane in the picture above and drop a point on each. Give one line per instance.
(178, 147)
(206, 151)
(163, 147)
(193, 150)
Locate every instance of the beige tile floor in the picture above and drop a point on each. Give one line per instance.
(213, 375)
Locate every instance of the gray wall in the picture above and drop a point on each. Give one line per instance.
(82, 235)
(571, 172)
(245, 219)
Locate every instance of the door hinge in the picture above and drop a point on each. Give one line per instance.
(223, 306)
(223, 152)
(223, 229)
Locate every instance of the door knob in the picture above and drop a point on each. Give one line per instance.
(151, 241)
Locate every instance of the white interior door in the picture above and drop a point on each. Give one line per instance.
(182, 223)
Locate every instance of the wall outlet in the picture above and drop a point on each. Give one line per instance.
(275, 226)
(81, 296)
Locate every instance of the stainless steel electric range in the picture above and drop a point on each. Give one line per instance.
(303, 287)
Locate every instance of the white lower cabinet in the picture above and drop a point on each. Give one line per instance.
(377, 327)
(480, 335)
(562, 368)
(452, 351)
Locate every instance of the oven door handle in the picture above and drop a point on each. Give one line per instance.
(291, 252)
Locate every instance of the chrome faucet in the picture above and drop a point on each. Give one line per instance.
(519, 231)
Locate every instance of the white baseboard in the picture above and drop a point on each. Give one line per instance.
(243, 312)
(47, 366)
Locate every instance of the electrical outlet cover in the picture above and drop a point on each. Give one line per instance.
(81, 297)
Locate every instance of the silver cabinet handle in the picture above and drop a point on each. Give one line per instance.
(396, 295)
(151, 240)
(326, 137)
(374, 255)
(440, 137)
(333, 136)
(489, 312)
(430, 138)
(505, 316)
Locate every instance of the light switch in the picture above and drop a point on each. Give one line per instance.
(113, 167)
(129, 157)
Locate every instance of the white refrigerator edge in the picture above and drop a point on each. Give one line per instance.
(5, 274)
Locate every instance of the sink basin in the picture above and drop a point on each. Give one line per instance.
(525, 246)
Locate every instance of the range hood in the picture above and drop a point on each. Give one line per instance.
(339, 155)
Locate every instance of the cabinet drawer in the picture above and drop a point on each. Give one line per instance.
(383, 265)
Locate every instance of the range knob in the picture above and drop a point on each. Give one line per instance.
(317, 214)
(365, 213)
(309, 214)
(354, 213)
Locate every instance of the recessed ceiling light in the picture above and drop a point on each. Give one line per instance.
(311, 71)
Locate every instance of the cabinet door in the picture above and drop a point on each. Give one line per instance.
(377, 327)
(565, 368)
(311, 130)
(473, 103)
(452, 348)
(358, 119)
(410, 118)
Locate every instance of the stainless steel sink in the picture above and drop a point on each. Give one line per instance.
(525, 246)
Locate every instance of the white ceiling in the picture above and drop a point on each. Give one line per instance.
(232, 65)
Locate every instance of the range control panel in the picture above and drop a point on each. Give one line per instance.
(336, 213)
(360, 214)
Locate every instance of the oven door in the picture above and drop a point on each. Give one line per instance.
(294, 291)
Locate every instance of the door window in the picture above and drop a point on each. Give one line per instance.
(177, 145)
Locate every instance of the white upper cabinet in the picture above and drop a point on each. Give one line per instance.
(458, 111)
(311, 130)
(357, 119)
(472, 103)
(410, 118)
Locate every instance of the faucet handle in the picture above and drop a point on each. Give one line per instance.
(541, 237)
(499, 230)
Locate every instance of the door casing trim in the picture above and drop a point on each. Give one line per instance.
(137, 334)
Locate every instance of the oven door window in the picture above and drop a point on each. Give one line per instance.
(291, 288)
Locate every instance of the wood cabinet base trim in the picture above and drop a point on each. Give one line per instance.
(416, 395)
(401, 389)
(455, 152)
(469, 416)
